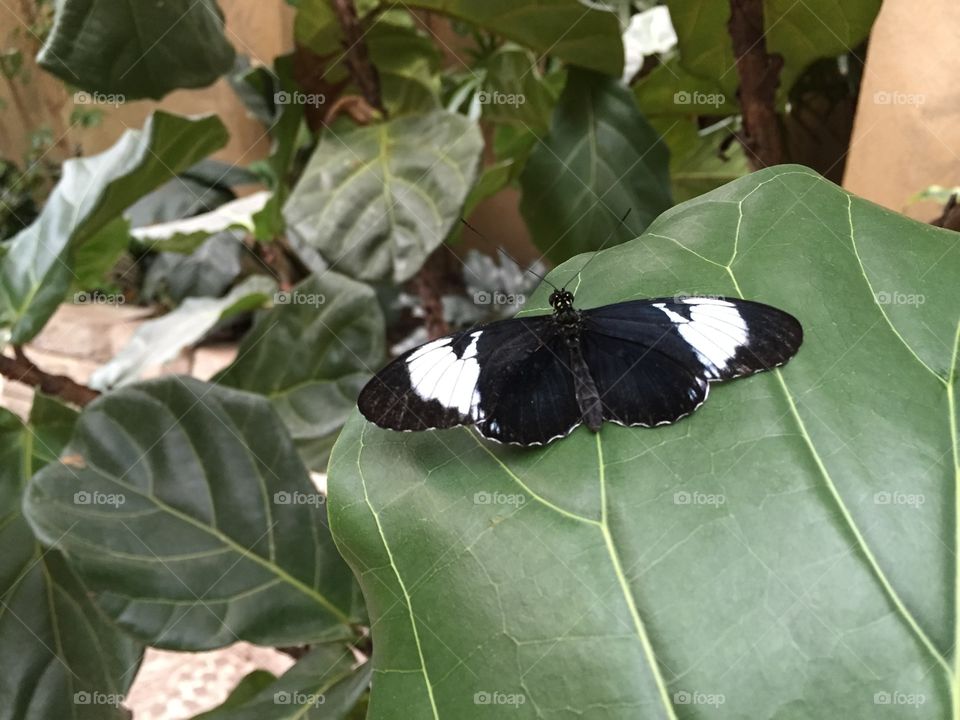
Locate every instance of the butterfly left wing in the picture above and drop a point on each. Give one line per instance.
(652, 360)
(456, 380)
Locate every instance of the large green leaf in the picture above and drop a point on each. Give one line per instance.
(324, 685)
(137, 50)
(579, 33)
(600, 159)
(39, 267)
(311, 355)
(184, 506)
(799, 31)
(60, 656)
(376, 201)
(789, 551)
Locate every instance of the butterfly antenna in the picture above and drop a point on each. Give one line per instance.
(602, 245)
(515, 262)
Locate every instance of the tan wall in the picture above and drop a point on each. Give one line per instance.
(262, 30)
(907, 129)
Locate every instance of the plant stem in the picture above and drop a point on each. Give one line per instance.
(759, 73)
(358, 62)
(20, 369)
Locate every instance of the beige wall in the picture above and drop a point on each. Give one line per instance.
(907, 130)
(262, 30)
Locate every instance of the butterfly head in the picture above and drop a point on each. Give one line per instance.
(561, 299)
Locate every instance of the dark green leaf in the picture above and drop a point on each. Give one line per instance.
(248, 688)
(600, 159)
(311, 355)
(515, 92)
(376, 201)
(323, 685)
(185, 508)
(61, 658)
(568, 29)
(137, 50)
(788, 551)
(38, 268)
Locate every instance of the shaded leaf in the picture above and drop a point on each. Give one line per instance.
(375, 201)
(787, 551)
(192, 518)
(600, 159)
(38, 268)
(323, 685)
(137, 50)
(159, 340)
(578, 33)
(61, 657)
(248, 688)
(311, 355)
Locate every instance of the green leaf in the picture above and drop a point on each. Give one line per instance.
(248, 688)
(39, 267)
(600, 159)
(137, 50)
(515, 92)
(185, 508)
(56, 648)
(698, 161)
(159, 340)
(408, 63)
(568, 29)
(311, 355)
(787, 551)
(801, 32)
(375, 201)
(669, 89)
(323, 685)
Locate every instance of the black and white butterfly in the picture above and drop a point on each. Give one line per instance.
(532, 380)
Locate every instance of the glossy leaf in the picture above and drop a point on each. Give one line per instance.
(324, 685)
(311, 355)
(374, 202)
(185, 508)
(134, 51)
(600, 159)
(38, 268)
(61, 657)
(787, 551)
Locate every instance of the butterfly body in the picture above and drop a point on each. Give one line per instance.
(531, 380)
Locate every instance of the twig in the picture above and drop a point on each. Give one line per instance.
(358, 62)
(20, 369)
(759, 73)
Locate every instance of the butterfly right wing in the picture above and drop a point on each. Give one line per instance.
(459, 379)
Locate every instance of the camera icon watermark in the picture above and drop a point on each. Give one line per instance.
(897, 697)
(98, 298)
(301, 699)
(692, 697)
(95, 497)
(896, 497)
(484, 297)
(700, 99)
(895, 97)
(282, 97)
(495, 697)
(86, 697)
(499, 498)
(495, 97)
(295, 297)
(82, 97)
(887, 297)
(695, 497)
(284, 497)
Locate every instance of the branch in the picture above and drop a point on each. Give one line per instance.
(357, 57)
(20, 369)
(759, 73)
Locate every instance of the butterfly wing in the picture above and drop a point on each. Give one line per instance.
(461, 379)
(652, 360)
